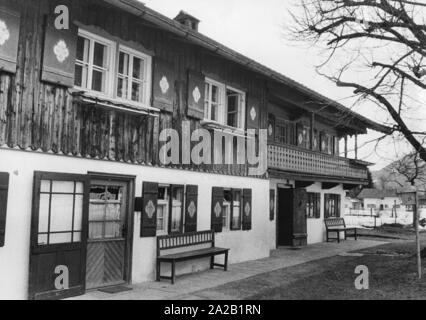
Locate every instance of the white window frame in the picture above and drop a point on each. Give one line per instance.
(241, 108)
(166, 203)
(109, 79)
(223, 105)
(113, 51)
(221, 101)
(146, 82)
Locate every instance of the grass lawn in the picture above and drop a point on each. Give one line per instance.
(392, 268)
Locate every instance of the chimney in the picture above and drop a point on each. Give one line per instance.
(187, 20)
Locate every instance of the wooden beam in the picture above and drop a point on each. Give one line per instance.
(311, 139)
(346, 146)
(303, 184)
(329, 185)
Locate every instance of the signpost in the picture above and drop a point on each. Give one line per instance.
(412, 199)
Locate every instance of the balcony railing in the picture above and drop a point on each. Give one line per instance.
(293, 159)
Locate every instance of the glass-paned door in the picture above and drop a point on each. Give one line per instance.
(106, 245)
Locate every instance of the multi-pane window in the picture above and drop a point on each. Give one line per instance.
(331, 205)
(103, 69)
(224, 105)
(176, 219)
(285, 132)
(106, 212)
(170, 209)
(313, 206)
(232, 209)
(236, 210)
(213, 105)
(60, 212)
(227, 205)
(131, 76)
(93, 63)
(163, 209)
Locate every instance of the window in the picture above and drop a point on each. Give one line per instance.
(236, 210)
(106, 212)
(93, 63)
(176, 218)
(285, 132)
(163, 209)
(100, 67)
(226, 212)
(132, 75)
(224, 105)
(331, 205)
(232, 206)
(313, 206)
(60, 212)
(170, 209)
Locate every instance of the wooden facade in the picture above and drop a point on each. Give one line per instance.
(40, 116)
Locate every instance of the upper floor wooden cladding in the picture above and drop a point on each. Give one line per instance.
(38, 108)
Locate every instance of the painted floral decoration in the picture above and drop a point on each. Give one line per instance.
(164, 85)
(4, 33)
(196, 94)
(150, 209)
(247, 209)
(61, 51)
(253, 113)
(217, 210)
(192, 209)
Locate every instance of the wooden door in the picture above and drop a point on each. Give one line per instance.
(107, 237)
(58, 235)
(291, 217)
(285, 217)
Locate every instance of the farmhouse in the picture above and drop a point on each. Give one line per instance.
(82, 184)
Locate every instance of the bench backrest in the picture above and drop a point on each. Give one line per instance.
(335, 222)
(185, 240)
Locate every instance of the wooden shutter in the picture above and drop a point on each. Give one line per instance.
(217, 209)
(196, 91)
(9, 39)
(271, 205)
(164, 84)
(247, 209)
(253, 112)
(4, 186)
(191, 208)
(149, 210)
(59, 54)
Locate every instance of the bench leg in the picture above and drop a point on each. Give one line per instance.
(338, 236)
(173, 272)
(356, 235)
(226, 261)
(158, 270)
(212, 262)
(328, 240)
(346, 236)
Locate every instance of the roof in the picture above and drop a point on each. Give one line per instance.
(377, 194)
(138, 8)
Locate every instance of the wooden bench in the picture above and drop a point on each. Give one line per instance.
(338, 225)
(184, 241)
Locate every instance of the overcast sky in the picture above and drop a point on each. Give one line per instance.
(255, 28)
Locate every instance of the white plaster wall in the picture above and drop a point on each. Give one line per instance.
(14, 257)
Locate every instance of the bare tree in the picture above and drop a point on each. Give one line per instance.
(375, 47)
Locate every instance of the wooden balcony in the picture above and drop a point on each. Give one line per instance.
(314, 164)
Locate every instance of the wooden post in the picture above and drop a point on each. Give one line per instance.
(346, 146)
(416, 214)
(356, 146)
(312, 133)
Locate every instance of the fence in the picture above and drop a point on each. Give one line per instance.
(376, 218)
